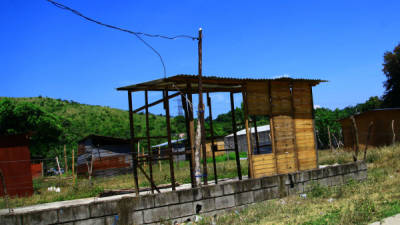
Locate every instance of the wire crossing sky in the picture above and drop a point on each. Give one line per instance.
(50, 52)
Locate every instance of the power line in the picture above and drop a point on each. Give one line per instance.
(137, 34)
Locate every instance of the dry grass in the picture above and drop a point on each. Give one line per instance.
(83, 188)
(353, 203)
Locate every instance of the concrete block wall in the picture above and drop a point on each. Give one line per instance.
(182, 205)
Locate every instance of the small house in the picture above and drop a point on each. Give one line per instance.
(110, 156)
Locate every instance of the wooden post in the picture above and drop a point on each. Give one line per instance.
(41, 166)
(171, 160)
(213, 148)
(188, 121)
(65, 159)
(272, 128)
(200, 136)
(159, 154)
(3, 182)
(330, 141)
(256, 134)
(248, 134)
(239, 170)
(73, 166)
(355, 155)
(368, 136)
(149, 151)
(58, 165)
(132, 143)
(394, 134)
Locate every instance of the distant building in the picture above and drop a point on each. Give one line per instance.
(381, 132)
(177, 146)
(111, 156)
(264, 140)
(15, 164)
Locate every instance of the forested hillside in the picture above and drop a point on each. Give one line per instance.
(56, 122)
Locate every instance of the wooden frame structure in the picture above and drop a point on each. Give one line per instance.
(288, 103)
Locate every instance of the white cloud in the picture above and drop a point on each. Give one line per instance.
(281, 76)
(317, 106)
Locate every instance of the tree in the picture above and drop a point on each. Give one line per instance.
(23, 117)
(391, 68)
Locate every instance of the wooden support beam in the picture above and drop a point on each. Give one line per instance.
(355, 135)
(149, 151)
(150, 179)
(155, 103)
(171, 159)
(248, 134)
(272, 128)
(212, 137)
(191, 130)
(256, 134)
(188, 140)
(132, 134)
(239, 170)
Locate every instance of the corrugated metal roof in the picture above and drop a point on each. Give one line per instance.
(209, 82)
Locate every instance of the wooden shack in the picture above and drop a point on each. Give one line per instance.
(15, 165)
(111, 156)
(381, 131)
(287, 102)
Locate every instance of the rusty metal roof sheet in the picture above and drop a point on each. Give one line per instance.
(210, 83)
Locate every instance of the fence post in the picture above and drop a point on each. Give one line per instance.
(5, 191)
(65, 159)
(394, 134)
(356, 138)
(73, 166)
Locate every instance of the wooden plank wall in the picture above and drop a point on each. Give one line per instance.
(304, 129)
(290, 110)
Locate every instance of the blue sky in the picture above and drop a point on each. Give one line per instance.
(51, 52)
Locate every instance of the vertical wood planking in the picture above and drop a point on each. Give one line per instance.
(132, 142)
(239, 170)
(167, 118)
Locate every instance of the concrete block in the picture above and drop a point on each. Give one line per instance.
(203, 206)
(186, 195)
(251, 184)
(66, 214)
(353, 167)
(197, 194)
(181, 210)
(346, 168)
(40, 217)
(212, 191)
(316, 174)
(166, 198)
(336, 180)
(111, 220)
(304, 176)
(94, 221)
(244, 198)
(362, 166)
(260, 195)
(325, 182)
(106, 208)
(156, 214)
(232, 187)
(10, 219)
(224, 202)
(333, 171)
(307, 185)
(348, 177)
(269, 181)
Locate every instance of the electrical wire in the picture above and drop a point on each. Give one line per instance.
(137, 34)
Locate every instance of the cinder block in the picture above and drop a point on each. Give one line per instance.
(244, 198)
(269, 181)
(186, 195)
(316, 174)
(166, 198)
(197, 194)
(348, 177)
(251, 184)
(93, 221)
(156, 214)
(304, 176)
(40, 217)
(308, 185)
(260, 195)
(224, 202)
(333, 171)
(181, 210)
(106, 208)
(353, 167)
(66, 214)
(111, 220)
(203, 206)
(336, 180)
(212, 191)
(10, 219)
(362, 166)
(325, 182)
(233, 187)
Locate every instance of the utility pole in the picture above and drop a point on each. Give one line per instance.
(200, 131)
